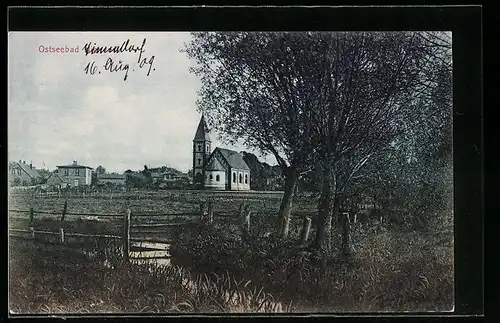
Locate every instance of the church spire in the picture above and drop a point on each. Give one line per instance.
(202, 131)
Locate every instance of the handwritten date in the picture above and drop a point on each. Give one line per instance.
(117, 65)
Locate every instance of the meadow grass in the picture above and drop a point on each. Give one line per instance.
(54, 279)
(389, 270)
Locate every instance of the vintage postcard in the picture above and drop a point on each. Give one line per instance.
(230, 172)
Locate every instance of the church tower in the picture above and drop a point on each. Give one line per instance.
(201, 152)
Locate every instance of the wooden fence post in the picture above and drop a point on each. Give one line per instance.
(210, 213)
(32, 223)
(306, 228)
(242, 207)
(61, 230)
(65, 210)
(203, 212)
(246, 220)
(32, 217)
(126, 235)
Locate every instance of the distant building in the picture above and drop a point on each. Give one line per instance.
(22, 174)
(167, 176)
(170, 179)
(115, 179)
(56, 181)
(75, 175)
(222, 169)
(156, 177)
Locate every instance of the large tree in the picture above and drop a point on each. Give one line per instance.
(330, 99)
(385, 89)
(260, 88)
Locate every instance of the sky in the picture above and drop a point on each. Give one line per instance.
(59, 112)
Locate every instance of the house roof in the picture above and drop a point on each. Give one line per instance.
(74, 165)
(202, 131)
(111, 176)
(215, 165)
(234, 159)
(33, 173)
(55, 178)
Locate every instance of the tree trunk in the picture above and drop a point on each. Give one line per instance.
(283, 221)
(333, 218)
(324, 208)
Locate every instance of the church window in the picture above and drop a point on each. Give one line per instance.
(199, 147)
(234, 177)
(246, 178)
(217, 178)
(241, 178)
(199, 161)
(211, 176)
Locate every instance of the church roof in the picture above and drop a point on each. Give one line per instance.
(202, 131)
(234, 159)
(215, 165)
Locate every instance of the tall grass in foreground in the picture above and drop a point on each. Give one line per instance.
(390, 270)
(55, 279)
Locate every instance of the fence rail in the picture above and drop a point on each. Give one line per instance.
(156, 225)
(128, 229)
(192, 213)
(134, 232)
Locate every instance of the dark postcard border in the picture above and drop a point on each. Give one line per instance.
(241, 18)
(464, 22)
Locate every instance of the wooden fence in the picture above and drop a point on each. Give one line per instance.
(134, 232)
(127, 236)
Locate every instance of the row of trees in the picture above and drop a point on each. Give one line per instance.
(347, 109)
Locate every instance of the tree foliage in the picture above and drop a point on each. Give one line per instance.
(100, 170)
(264, 176)
(336, 105)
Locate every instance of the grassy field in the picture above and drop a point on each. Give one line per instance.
(168, 201)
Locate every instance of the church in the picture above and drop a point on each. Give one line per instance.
(221, 169)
